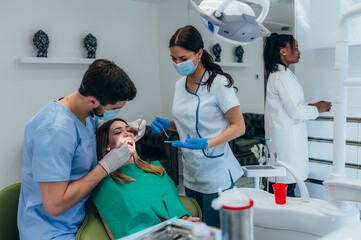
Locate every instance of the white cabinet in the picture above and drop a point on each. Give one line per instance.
(324, 151)
(324, 129)
(320, 150)
(316, 23)
(322, 171)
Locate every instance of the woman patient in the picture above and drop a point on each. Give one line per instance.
(139, 194)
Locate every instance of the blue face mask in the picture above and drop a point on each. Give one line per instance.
(108, 115)
(185, 68)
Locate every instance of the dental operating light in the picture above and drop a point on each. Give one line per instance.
(233, 21)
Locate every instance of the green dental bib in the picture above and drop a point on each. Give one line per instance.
(131, 207)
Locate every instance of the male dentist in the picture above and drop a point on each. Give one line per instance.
(59, 165)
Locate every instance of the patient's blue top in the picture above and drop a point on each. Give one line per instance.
(57, 147)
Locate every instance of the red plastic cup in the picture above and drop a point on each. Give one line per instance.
(280, 192)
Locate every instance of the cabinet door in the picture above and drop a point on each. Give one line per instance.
(324, 129)
(322, 171)
(324, 151)
(359, 177)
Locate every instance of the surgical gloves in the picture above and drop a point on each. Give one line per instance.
(192, 143)
(139, 126)
(115, 158)
(160, 123)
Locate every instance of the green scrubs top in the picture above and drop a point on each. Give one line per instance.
(131, 207)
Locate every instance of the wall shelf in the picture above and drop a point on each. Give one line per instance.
(42, 60)
(232, 64)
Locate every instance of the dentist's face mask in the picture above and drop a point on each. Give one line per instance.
(107, 115)
(185, 68)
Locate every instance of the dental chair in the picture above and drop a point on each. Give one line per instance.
(151, 147)
(9, 199)
(93, 228)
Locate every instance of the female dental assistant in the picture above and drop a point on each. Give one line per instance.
(206, 115)
(286, 110)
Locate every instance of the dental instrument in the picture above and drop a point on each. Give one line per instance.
(275, 161)
(268, 161)
(233, 21)
(162, 128)
(260, 154)
(169, 141)
(268, 151)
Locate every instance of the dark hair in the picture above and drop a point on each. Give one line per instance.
(271, 51)
(107, 82)
(189, 38)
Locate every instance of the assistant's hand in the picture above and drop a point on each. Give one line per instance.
(115, 158)
(191, 219)
(322, 106)
(160, 123)
(192, 143)
(138, 126)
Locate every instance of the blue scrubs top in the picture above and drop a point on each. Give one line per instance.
(57, 147)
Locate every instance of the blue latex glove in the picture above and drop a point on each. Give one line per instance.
(159, 123)
(192, 143)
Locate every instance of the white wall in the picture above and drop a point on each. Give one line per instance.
(127, 33)
(172, 14)
(250, 89)
(316, 67)
(315, 71)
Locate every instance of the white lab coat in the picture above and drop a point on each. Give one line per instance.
(285, 116)
(202, 115)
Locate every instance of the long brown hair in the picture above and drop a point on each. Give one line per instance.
(102, 143)
(189, 38)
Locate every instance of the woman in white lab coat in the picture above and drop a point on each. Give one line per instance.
(286, 110)
(207, 115)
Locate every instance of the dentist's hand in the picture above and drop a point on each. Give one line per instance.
(138, 126)
(115, 158)
(160, 123)
(192, 143)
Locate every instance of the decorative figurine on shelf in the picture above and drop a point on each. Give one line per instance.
(239, 53)
(90, 44)
(41, 42)
(217, 52)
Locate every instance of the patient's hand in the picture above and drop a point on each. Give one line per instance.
(191, 219)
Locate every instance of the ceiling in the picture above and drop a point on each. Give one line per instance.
(281, 14)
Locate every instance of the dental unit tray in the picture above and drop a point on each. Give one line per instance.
(263, 171)
(171, 231)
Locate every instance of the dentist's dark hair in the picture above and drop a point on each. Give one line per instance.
(189, 38)
(107, 82)
(271, 51)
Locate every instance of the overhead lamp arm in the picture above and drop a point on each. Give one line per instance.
(221, 8)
